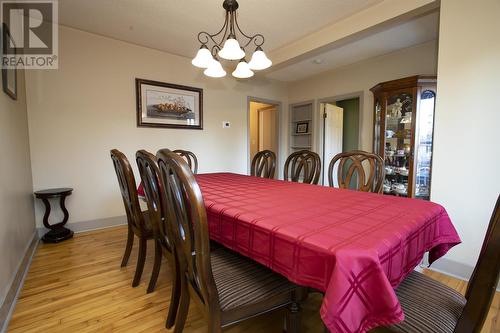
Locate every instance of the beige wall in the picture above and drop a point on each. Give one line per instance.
(467, 140)
(420, 59)
(17, 224)
(87, 107)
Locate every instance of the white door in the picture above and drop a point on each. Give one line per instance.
(267, 130)
(332, 144)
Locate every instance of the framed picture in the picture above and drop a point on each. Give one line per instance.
(9, 75)
(168, 105)
(302, 128)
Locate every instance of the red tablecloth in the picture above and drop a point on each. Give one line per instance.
(356, 247)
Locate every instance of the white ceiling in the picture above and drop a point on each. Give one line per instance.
(173, 25)
(414, 32)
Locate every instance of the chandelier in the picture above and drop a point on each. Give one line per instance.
(211, 48)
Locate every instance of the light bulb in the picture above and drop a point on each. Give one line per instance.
(231, 50)
(242, 71)
(259, 60)
(203, 57)
(215, 69)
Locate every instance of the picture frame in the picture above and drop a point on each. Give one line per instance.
(302, 128)
(167, 105)
(9, 75)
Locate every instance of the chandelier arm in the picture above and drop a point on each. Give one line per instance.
(208, 37)
(225, 27)
(232, 30)
(215, 49)
(255, 40)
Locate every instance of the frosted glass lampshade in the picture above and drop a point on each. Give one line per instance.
(203, 58)
(231, 50)
(242, 71)
(215, 69)
(259, 60)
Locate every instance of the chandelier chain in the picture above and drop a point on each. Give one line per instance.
(231, 23)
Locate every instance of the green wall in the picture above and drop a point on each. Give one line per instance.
(350, 136)
(351, 123)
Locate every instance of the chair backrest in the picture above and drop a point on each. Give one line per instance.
(357, 163)
(128, 190)
(302, 166)
(150, 176)
(263, 164)
(190, 158)
(484, 279)
(186, 211)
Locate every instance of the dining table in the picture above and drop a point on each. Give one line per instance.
(355, 247)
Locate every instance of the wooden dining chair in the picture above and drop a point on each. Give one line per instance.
(430, 306)
(190, 158)
(139, 223)
(367, 167)
(263, 164)
(303, 166)
(227, 287)
(148, 169)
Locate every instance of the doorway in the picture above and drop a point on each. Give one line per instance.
(340, 130)
(263, 127)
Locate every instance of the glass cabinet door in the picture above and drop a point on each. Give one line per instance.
(424, 145)
(399, 118)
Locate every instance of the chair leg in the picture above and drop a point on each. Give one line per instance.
(293, 318)
(128, 247)
(156, 267)
(183, 310)
(175, 294)
(140, 261)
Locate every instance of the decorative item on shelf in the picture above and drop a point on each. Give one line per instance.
(400, 188)
(394, 110)
(403, 171)
(406, 118)
(389, 170)
(387, 186)
(226, 46)
(302, 128)
(162, 104)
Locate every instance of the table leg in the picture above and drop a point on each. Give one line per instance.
(57, 231)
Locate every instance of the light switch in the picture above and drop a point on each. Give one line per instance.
(226, 124)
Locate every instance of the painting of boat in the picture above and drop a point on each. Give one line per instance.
(175, 108)
(161, 104)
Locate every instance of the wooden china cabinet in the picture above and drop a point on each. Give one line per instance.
(403, 134)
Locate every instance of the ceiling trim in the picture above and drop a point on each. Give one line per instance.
(355, 27)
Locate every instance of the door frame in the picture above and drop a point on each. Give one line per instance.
(334, 100)
(279, 109)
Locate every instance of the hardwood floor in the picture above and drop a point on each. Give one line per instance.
(78, 286)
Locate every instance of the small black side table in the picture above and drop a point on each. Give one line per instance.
(57, 231)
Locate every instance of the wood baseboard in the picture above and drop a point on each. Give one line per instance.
(9, 302)
(90, 225)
